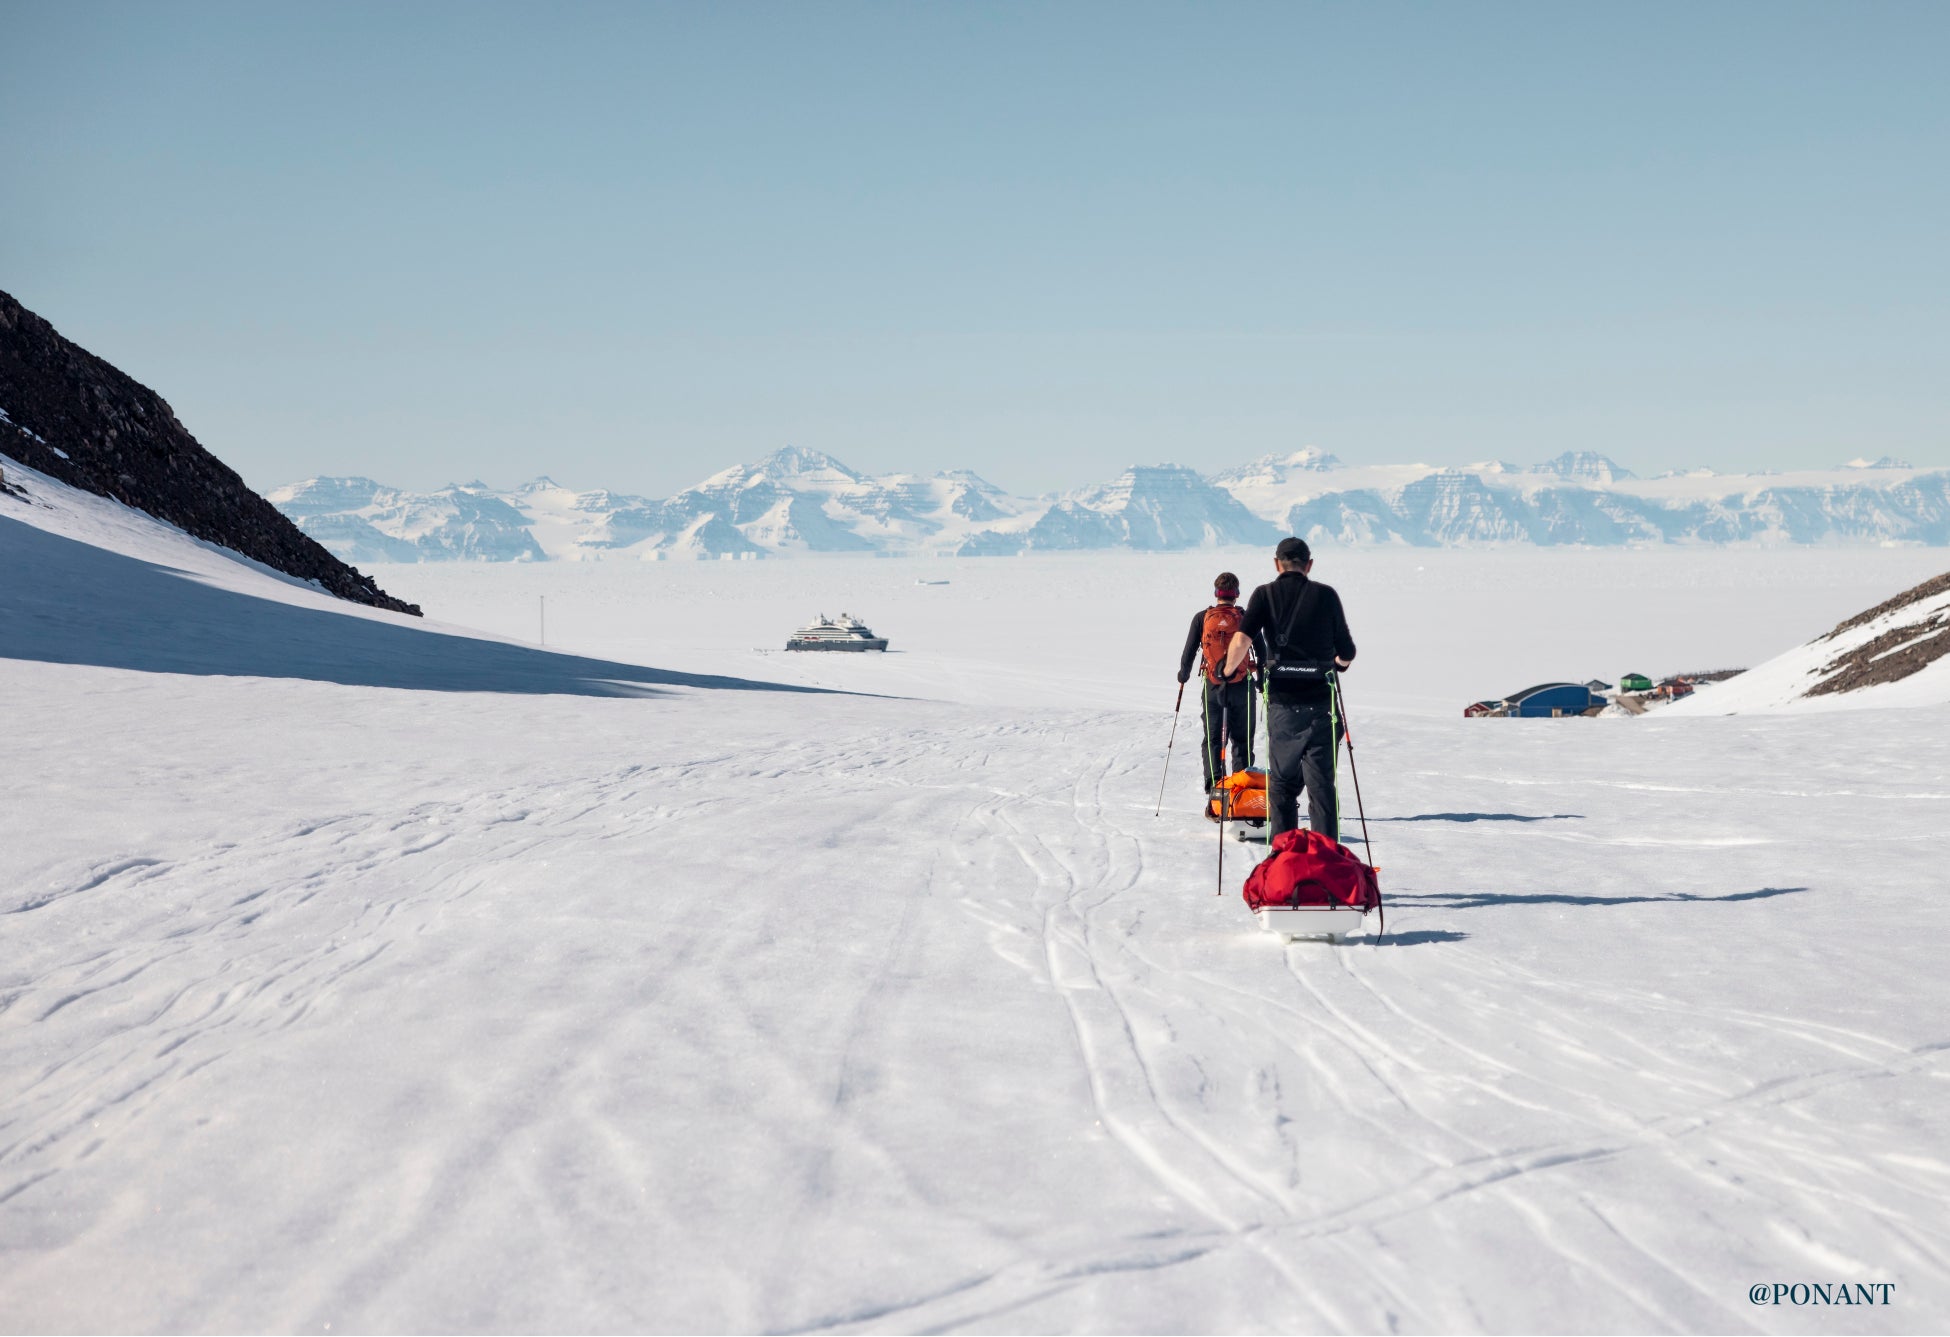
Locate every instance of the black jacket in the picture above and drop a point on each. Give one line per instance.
(1320, 633)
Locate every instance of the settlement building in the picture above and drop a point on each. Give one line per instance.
(1551, 699)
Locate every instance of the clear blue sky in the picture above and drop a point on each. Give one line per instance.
(630, 244)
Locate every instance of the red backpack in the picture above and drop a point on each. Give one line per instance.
(1308, 868)
(1221, 621)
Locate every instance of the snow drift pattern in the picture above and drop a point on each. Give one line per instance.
(331, 1003)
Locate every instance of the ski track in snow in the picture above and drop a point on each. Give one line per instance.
(393, 1010)
(1318, 1122)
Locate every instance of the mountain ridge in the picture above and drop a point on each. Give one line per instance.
(799, 501)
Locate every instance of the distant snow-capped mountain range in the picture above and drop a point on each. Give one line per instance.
(803, 501)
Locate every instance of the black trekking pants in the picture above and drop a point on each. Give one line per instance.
(1300, 744)
(1228, 708)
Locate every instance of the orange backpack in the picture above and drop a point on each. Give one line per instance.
(1221, 621)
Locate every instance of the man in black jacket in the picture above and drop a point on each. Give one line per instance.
(1226, 700)
(1297, 621)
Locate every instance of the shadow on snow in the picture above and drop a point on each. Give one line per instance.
(1417, 937)
(1485, 817)
(1471, 900)
(67, 602)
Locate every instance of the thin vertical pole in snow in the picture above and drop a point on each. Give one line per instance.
(1367, 848)
(1225, 806)
(1168, 742)
(1340, 708)
(1224, 795)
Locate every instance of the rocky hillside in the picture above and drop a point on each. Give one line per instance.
(72, 416)
(1895, 654)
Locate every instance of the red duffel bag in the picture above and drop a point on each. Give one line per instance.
(1307, 868)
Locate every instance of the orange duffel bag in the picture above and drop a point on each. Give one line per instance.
(1243, 794)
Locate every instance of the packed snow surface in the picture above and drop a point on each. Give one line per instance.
(367, 974)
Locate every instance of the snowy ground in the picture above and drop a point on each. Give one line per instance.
(414, 982)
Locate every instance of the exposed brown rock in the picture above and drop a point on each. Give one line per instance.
(1934, 585)
(1890, 657)
(78, 419)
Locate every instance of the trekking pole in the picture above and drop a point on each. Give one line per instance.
(1225, 806)
(1367, 848)
(1225, 810)
(1340, 704)
(1168, 742)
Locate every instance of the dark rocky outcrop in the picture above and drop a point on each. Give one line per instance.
(1904, 649)
(74, 417)
(1890, 657)
(1929, 589)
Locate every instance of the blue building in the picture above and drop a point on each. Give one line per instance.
(1551, 699)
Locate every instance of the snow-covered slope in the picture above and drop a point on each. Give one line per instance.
(803, 501)
(1894, 654)
(73, 417)
(592, 998)
(92, 582)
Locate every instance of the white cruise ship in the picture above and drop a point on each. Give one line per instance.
(840, 633)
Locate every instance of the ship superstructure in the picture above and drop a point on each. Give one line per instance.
(844, 632)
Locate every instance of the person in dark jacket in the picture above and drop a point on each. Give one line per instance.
(1226, 699)
(1294, 618)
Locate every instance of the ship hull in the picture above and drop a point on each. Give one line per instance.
(877, 643)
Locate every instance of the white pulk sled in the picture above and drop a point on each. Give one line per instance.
(1331, 922)
(1327, 921)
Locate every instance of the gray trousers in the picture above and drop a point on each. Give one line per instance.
(1300, 748)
